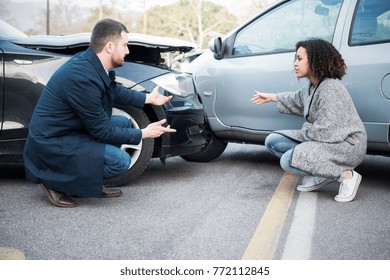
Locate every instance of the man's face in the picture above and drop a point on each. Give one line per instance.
(120, 51)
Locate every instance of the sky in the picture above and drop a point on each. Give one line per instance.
(91, 3)
(23, 16)
(231, 4)
(95, 2)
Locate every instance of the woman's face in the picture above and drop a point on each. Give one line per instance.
(301, 63)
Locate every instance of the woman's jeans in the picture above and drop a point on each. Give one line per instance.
(116, 160)
(283, 147)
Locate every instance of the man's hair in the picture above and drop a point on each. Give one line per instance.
(324, 59)
(106, 30)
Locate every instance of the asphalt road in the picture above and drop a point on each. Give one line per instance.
(240, 206)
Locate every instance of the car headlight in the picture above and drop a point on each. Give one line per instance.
(180, 84)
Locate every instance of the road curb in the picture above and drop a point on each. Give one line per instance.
(11, 254)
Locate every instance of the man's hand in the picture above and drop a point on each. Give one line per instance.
(155, 130)
(156, 98)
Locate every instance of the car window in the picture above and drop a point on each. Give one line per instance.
(371, 23)
(280, 29)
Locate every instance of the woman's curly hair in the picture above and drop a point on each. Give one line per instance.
(324, 59)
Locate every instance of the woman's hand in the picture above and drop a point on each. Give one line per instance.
(262, 97)
(156, 98)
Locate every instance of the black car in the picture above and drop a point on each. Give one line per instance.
(29, 61)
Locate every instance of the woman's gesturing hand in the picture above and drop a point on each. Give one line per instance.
(262, 97)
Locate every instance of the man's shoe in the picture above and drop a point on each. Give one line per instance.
(59, 199)
(109, 192)
(314, 183)
(348, 188)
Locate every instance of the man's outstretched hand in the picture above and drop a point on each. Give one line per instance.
(156, 98)
(155, 129)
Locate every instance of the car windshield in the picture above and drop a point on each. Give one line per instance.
(8, 31)
(273, 33)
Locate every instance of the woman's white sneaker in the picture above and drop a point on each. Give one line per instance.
(314, 183)
(348, 188)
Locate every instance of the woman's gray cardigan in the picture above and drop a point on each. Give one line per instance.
(333, 136)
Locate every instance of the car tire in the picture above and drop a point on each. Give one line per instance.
(140, 154)
(213, 148)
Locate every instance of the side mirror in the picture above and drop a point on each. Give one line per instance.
(216, 46)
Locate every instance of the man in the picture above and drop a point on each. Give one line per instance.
(73, 142)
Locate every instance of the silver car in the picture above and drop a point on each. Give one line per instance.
(258, 55)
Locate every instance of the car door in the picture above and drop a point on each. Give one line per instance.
(365, 46)
(1, 86)
(25, 74)
(259, 56)
(22, 87)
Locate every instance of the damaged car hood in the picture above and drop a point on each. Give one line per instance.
(51, 42)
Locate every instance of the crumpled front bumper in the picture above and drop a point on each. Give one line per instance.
(188, 138)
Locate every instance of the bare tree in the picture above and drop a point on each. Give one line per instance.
(67, 16)
(120, 10)
(254, 7)
(193, 20)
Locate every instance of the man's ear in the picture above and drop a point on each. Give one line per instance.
(109, 47)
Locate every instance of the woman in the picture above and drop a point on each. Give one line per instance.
(333, 140)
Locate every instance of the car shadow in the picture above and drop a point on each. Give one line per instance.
(235, 158)
(374, 167)
(12, 171)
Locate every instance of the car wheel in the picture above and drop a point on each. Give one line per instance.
(213, 148)
(140, 154)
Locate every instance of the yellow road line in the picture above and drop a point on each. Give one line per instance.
(7, 253)
(266, 237)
